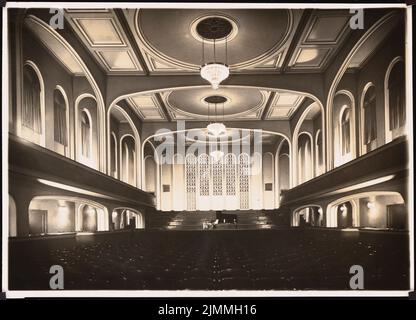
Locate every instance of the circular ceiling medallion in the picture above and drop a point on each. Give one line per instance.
(215, 99)
(214, 27)
(175, 37)
(192, 102)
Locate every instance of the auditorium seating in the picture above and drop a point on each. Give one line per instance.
(291, 259)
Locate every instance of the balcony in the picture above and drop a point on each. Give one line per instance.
(35, 163)
(390, 160)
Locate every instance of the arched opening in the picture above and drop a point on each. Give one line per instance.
(57, 44)
(89, 219)
(32, 113)
(86, 131)
(319, 156)
(311, 120)
(382, 27)
(86, 134)
(235, 180)
(113, 156)
(307, 216)
(12, 217)
(305, 159)
(377, 209)
(61, 121)
(343, 128)
(128, 164)
(62, 214)
(51, 216)
(395, 100)
(344, 215)
(121, 125)
(127, 218)
(369, 118)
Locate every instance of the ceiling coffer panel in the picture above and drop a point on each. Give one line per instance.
(284, 105)
(321, 38)
(106, 40)
(147, 107)
(167, 41)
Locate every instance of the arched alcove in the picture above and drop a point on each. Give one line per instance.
(127, 218)
(86, 134)
(62, 214)
(368, 123)
(395, 99)
(305, 166)
(373, 209)
(308, 215)
(128, 159)
(61, 122)
(121, 124)
(311, 120)
(31, 116)
(343, 126)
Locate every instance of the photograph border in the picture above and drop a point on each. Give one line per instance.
(201, 293)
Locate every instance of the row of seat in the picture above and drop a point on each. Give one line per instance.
(245, 260)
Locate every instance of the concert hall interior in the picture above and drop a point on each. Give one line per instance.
(208, 148)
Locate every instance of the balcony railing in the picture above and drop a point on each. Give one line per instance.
(389, 159)
(41, 163)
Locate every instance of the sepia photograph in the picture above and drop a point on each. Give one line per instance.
(207, 150)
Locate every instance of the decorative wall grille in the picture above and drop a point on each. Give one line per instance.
(217, 177)
(190, 181)
(204, 174)
(206, 177)
(244, 177)
(230, 174)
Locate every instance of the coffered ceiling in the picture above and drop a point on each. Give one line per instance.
(165, 41)
(147, 107)
(240, 104)
(147, 42)
(324, 31)
(103, 35)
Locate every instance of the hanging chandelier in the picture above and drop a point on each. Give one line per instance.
(215, 73)
(214, 30)
(216, 129)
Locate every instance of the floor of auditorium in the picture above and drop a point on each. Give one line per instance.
(286, 259)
